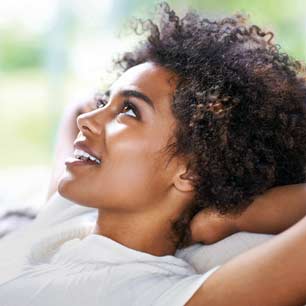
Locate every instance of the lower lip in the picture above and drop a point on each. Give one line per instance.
(71, 161)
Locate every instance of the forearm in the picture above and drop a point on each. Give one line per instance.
(273, 274)
(67, 133)
(276, 210)
(63, 148)
(271, 213)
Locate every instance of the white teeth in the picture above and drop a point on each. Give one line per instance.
(80, 153)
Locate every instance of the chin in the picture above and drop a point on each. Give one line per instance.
(69, 191)
(64, 189)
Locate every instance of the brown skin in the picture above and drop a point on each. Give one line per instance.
(140, 219)
(273, 212)
(135, 190)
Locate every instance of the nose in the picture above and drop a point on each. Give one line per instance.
(89, 123)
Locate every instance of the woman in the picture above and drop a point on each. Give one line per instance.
(207, 117)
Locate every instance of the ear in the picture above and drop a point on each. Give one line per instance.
(184, 179)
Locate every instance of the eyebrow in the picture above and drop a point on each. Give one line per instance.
(133, 93)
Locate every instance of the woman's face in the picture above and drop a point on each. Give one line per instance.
(128, 131)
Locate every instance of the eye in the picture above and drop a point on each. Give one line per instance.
(132, 110)
(129, 105)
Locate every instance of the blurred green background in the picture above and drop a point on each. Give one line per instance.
(56, 51)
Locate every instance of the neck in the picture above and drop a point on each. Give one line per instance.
(149, 234)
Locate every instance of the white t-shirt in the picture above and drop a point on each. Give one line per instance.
(57, 261)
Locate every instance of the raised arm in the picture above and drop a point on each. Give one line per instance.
(273, 274)
(271, 213)
(276, 210)
(67, 133)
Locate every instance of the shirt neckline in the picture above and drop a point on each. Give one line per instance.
(126, 249)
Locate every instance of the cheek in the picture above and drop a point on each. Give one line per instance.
(131, 172)
(131, 158)
(134, 181)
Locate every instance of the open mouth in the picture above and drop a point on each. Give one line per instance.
(82, 155)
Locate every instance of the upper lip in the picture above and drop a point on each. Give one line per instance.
(82, 146)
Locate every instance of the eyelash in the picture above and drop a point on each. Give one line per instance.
(101, 101)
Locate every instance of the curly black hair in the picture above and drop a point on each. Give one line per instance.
(239, 104)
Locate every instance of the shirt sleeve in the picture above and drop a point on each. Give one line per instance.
(181, 292)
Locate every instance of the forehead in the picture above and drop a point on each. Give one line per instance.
(154, 81)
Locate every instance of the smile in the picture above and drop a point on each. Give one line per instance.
(82, 155)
